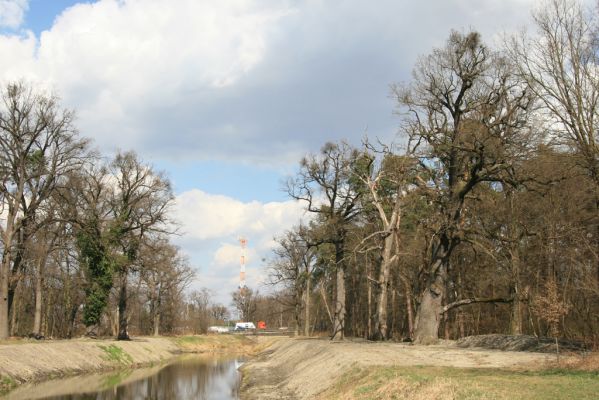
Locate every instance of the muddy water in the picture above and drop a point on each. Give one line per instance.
(186, 378)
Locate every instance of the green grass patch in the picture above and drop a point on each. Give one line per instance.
(191, 340)
(464, 384)
(115, 379)
(115, 354)
(6, 384)
(210, 342)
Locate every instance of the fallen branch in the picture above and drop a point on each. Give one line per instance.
(473, 300)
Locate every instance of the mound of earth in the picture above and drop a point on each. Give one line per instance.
(520, 343)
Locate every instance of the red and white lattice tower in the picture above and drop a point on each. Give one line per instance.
(242, 287)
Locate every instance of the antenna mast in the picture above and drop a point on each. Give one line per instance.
(242, 286)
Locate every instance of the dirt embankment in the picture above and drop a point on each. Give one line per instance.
(521, 343)
(27, 361)
(303, 368)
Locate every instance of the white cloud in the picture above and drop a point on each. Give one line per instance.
(118, 62)
(12, 13)
(250, 80)
(215, 223)
(207, 216)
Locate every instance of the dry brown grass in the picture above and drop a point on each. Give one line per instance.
(423, 383)
(384, 384)
(578, 362)
(402, 389)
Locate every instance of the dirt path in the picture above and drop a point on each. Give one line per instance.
(302, 368)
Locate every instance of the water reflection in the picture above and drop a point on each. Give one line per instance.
(187, 378)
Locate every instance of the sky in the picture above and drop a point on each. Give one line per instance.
(227, 96)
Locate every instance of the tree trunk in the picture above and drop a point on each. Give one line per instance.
(5, 277)
(339, 321)
(157, 318)
(123, 333)
(7, 256)
(446, 330)
(307, 305)
(381, 331)
(155, 307)
(297, 310)
(429, 314)
(37, 318)
(409, 309)
(516, 320)
(39, 285)
(297, 317)
(393, 321)
(17, 263)
(461, 324)
(514, 249)
(72, 318)
(14, 322)
(369, 294)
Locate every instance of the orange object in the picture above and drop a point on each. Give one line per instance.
(261, 325)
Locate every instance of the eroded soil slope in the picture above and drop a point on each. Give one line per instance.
(302, 368)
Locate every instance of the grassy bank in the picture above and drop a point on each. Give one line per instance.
(23, 361)
(237, 344)
(425, 382)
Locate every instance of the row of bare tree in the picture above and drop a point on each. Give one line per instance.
(485, 219)
(78, 233)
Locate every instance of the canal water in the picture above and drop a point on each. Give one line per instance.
(192, 377)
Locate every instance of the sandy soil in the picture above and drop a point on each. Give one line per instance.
(26, 362)
(302, 368)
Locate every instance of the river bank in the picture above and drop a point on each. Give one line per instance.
(321, 369)
(25, 361)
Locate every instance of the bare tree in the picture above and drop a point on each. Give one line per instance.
(324, 184)
(38, 146)
(205, 313)
(560, 64)
(83, 203)
(384, 175)
(465, 116)
(139, 201)
(244, 300)
(165, 272)
(44, 244)
(292, 268)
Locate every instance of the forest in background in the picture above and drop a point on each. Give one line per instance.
(483, 218)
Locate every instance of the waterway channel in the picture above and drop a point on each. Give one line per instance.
(189, 377)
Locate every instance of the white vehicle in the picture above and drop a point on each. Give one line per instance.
(218, 329)
(243, 326)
